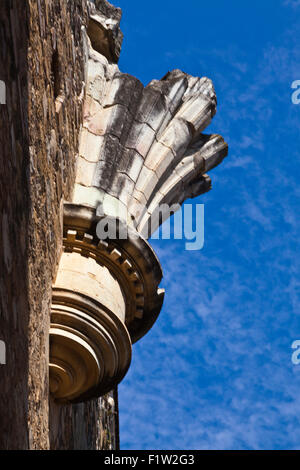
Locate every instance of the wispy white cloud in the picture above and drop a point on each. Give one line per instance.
(215, 372)
(292, 3)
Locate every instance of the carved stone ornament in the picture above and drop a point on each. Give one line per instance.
(140, 147)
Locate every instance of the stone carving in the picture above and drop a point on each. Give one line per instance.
(140, 147)
(106, 296)
(104, 29)
(89, 347)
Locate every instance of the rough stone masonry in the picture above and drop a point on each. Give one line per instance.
(81, 140)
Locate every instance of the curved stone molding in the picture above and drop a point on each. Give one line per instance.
(106, 296)
(90, 348)
(131, 261)
(141, 147)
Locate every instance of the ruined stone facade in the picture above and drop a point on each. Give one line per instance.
(42, 64)
(80, 142)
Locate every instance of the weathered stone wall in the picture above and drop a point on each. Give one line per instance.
(55, 83)
(91, 425)
(14, 220)
(42, 63)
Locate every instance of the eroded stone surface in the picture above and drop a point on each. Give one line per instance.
(143, 146)
(96, 424)
(104, 28)
(14, 227)
(139, 147)
(42, 62)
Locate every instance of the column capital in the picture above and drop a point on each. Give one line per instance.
(140, 148)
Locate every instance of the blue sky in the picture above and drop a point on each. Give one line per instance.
(215, 372)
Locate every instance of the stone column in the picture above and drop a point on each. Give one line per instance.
(140, 148)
